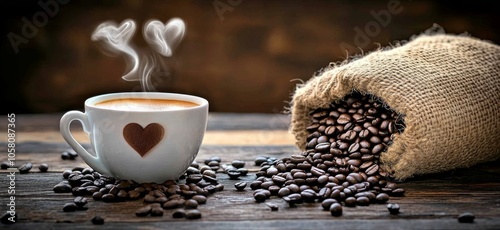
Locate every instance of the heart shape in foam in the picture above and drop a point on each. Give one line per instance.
(164, 37)
(143, 139)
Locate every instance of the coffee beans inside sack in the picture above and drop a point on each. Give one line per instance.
(446, 86)
(341, 162)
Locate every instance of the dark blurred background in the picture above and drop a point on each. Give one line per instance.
(242, 55)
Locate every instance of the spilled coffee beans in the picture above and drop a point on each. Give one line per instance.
(200, 182)
(341, 162)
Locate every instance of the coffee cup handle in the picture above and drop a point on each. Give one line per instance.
(64, 125)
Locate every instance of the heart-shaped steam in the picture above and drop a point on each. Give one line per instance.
(164, 37)
(116, 39)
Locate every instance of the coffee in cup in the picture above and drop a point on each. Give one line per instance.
(142, 104)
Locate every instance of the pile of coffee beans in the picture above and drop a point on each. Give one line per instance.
(340, 165)
(200, 182)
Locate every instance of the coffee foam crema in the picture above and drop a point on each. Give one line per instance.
(139, 104)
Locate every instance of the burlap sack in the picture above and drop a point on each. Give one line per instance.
(448, 88)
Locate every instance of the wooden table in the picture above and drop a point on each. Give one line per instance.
(432, 201)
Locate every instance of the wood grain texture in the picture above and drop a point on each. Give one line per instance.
(432, 201)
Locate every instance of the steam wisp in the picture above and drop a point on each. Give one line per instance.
(116, 39)
(162, 38)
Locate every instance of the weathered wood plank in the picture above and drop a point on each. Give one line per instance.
(50, 153)
(436, 197)
(333, 223)
(217, 137)
(434, 205)
(216, 121)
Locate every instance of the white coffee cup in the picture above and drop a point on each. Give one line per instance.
(140, 145)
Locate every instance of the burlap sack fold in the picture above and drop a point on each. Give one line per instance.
(447, 87)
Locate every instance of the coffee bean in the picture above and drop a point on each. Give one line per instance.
(393, 208)
(372, 170)
(350, 201)
(274, 207)
(255, 185)
(195, 164)
(194, 178)
(97, 220)
(260, 197)
(108, 198)
(319, 114)
(377, 148)
(398, 192)
(69, 207)
(122, 194)
(233, 174)
(97, 196)
(354, 162)
(144, 211)
(191, 204)
(216, 158)
(62, 188)
(179, 213)
(272, 171)
(466, 217)
(308, 195)
(391, 127)
(240, 186)
(382, 198)
(238, 164)
(293, 199)
(161, 200)
(310, 128)
(261, 159)
(156, 211)
(344, 119)
(193, 214)
(190, 193)
(330, 130)
(327, 203)
(323, 139)
(65, 155)
(175, 203)
(200, 199)
(209, 179)
(243, 171)
(354, 147)
(363, 201)
(323, 147)
(80, 201)
(375, 140)
(87, 171)
(209, 173)
(43, 167)
(336, 209)
(25, 168)
(5, 165)
(283, 192)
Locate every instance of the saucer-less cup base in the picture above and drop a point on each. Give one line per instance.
(183, 131)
